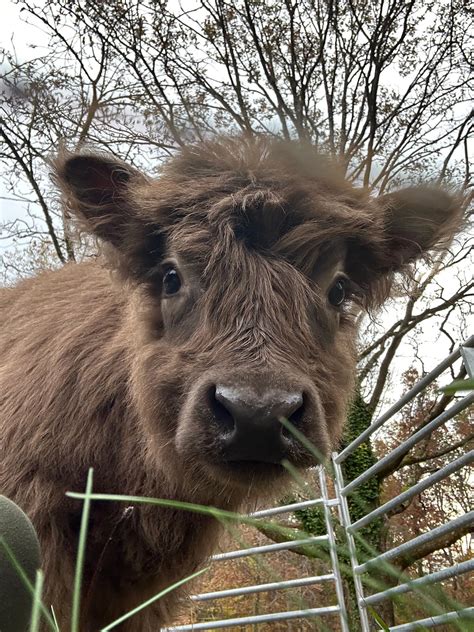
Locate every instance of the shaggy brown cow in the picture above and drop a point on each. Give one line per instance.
(237, 276)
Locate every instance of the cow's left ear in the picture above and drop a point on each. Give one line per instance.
(101, 193)
(96, 190)
(417, 220)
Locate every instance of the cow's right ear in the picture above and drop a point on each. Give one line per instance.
(97, 193)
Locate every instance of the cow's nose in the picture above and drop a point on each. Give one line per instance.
(249, 422)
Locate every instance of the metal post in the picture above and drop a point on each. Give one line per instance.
(333, 551)
(346, 523)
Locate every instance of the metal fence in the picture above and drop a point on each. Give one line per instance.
(342, 491)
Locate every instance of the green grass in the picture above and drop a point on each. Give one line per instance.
(81, 552)
(459, 386)
(433, 598)
(53, 614)
(145, 604)
(428, 595)
(37, 604)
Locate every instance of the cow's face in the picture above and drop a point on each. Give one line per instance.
(249, 265)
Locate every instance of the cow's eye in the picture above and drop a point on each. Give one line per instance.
(171, 282)
(337, 293)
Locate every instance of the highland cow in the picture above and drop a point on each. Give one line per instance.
(226, 297)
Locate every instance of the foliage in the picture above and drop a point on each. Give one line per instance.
(439, 503)
(367, 496)
(459, 386)
(312, 520)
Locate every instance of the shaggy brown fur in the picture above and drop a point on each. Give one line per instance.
(102, 370)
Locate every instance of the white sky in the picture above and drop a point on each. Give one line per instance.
(27, 41)
(11, 25)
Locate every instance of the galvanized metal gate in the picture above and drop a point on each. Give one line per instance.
(340, 501)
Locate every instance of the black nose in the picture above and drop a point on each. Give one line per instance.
(249, 423)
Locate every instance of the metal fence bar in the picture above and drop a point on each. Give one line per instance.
(261, 618)
(335, 576)
(274, 511)
(432, 622)
(415, 584)
(249, 590)
(442, 473)
(409, 443)
(269, 548)
(417, 388)
(346, 521)
(406, 547)
(333, 552)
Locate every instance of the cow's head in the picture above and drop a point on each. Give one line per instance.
(247, 263)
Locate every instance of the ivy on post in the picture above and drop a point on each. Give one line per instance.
(367, 496)
(364, 499)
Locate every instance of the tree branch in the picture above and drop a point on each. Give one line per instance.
(426, 548)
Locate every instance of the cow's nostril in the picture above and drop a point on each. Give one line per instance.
(249, 422)
(220, 413)
(295, 419)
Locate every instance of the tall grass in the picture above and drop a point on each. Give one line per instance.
(432, 597)
(37, 605)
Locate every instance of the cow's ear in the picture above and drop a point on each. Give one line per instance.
(417, 220)
(97, 193)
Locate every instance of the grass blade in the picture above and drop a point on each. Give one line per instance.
(219, 514)
(76, 599)
(305, 442)
(56, 624)
(458, 386)
(36, 611)
(151, 600)
(378, 619)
